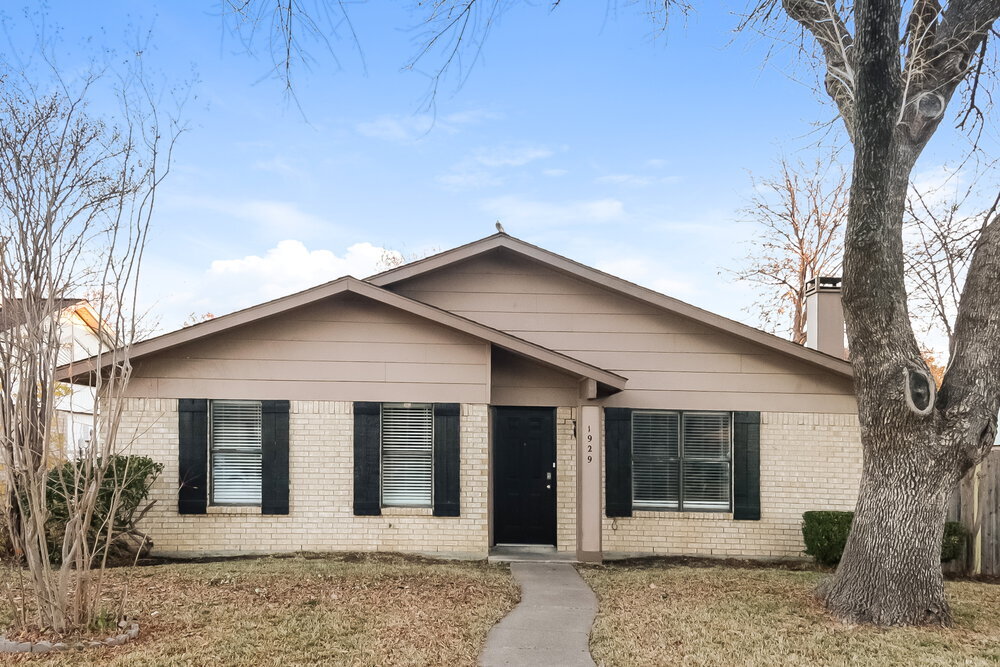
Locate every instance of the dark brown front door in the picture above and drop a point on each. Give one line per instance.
(524, 478)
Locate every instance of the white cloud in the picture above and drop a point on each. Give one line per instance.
(272, 217)
(939, 185)
(656, 163)
(510, 156)
(554, 172)
(478, 170)
(529, 212)
(461, 179)
(650, 274)
(231, 284)
(277, 164)
(635, 180)
(406, 129)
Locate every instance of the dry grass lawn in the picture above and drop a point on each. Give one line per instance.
(662, 614)
(340, 610)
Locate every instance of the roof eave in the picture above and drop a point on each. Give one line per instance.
(86, 368)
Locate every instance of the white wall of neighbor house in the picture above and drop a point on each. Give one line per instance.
(808, 461)
(321, 478)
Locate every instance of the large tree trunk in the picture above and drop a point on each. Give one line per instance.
(891, 570)
(890, 573)
(915, 451)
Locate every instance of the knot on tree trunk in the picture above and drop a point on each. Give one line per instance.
(919, 389)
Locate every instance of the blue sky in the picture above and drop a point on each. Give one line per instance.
(584, 130)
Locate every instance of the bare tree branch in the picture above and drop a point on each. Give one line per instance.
(801, 214)
(826, 21)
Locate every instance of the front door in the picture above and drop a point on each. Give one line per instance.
(524, 478)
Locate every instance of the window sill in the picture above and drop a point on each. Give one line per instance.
(233, 509)
(407, 511)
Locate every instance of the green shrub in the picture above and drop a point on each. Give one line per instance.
(133, 475)
(825, 534)
(953, 543)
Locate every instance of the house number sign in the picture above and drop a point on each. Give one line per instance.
(590, 449)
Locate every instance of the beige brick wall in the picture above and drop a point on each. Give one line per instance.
(566, 479)
(321, 472)
(808, 462)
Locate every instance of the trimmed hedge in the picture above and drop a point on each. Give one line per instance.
(825, 534)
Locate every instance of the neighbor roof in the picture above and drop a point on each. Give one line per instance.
(568, 266)
(81, 371)
(12, 315)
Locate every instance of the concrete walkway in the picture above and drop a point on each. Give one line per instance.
(551, 625)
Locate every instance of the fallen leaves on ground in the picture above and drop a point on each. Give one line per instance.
(669, 614)
(348, 609)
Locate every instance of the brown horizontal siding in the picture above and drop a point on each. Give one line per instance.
(343, 349)
(669, 360)
(733, 400)
(234, 347)
(298, 390)
(517, 381)
(315, 371)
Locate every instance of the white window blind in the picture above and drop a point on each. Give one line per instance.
(236, 452)
(706, 460)
(407, 454)
(681, 460)
(656, 459)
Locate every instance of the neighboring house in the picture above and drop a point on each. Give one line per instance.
(80, 335)
(492, 394)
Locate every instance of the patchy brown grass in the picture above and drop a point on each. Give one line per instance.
(665, 614)
(346, 610)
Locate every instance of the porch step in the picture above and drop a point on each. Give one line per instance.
(529, 553)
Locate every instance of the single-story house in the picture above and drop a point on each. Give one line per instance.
(493, 394)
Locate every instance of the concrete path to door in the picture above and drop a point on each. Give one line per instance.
(550, 626)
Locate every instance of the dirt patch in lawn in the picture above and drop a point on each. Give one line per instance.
(351, 609)
(669, 614)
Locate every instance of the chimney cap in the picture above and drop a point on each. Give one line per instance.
(824, 284)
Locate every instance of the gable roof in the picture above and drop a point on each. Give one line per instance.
(558, 262)
(81, 370)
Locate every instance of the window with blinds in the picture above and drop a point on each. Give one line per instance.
(407, 454)
(235, 442)
(681, 460)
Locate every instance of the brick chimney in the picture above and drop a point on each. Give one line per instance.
(825, 316)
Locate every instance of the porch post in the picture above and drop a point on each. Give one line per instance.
(590, 448)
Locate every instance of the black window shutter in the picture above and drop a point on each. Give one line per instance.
(746, 466)
(447, 485)
(367, 459)
(192, 423)
(274, 457)
(618, 461)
